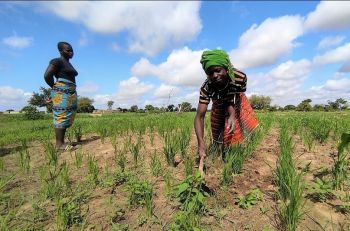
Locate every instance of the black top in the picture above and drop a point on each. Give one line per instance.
(207, 91)
(64, 69)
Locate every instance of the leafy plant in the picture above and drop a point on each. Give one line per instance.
(321, 190)
(250, 199)
(191, 194)
(141, 193)
(69, 211)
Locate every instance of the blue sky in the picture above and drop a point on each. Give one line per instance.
(138, 53)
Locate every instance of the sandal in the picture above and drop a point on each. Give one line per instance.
(66, 148)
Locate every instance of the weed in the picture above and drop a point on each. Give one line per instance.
(185, 221)
(191, 194)
(341, 164)
(24, 156)
(51, 154)
(189, 162)
(141, 193)
(93, 170)
(78, 157)
(68, 211)
(250, 199)
(321, 190)
(2, 164)
(121, 161)
(118, 215)
(64, 176)
(169, 148)
(141, 220)
(155, 165)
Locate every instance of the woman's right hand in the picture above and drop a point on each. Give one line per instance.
(202, 150)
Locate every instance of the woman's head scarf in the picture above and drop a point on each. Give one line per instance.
(217, 58)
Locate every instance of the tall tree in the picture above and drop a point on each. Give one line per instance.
(304, 105)
(185, 106)
(85, 105)
(171, 107)
(134, 108)
(110, 104)
(260, 101)
(42, 99)
(149, 107)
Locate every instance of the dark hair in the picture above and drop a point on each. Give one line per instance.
(60, 45)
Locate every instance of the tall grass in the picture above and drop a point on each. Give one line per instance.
(289, 182)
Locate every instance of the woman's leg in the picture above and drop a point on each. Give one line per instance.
(60, 132)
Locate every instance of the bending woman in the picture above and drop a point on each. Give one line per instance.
(63, 93)
(232, 117)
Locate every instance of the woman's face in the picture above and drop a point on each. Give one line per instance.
(218, 76)
(67, 51)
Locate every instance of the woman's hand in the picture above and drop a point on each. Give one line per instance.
(231, 123)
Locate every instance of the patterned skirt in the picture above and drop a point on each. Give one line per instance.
(245, 122)
(65, 103)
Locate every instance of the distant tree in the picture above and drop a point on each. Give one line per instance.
(318, 107)
(85, 105)
(110, 104)
(171, 107)
(260, 102)
(31, 112)
(149, 108)
(42, 99)
(304, 105)
(273, 108)
(134, 108)
(289, 107)
(343, 103)
(193, 109)
(185, 106)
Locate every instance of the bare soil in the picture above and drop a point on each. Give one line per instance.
(223, 213)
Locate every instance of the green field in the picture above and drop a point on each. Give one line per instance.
(136, 171)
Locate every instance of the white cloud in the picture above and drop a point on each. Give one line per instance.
(132, 88)
(266, 43)
(332, 89)
(329, 15)
(338, 85)
(12, 98)
(165, 91)
(182, 68)
(151, 26)
(283, 83)
(291, 70)
(17, 41)
(339, 54)
(88, 88)
(330, 41)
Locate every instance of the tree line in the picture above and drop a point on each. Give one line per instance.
(258, 102)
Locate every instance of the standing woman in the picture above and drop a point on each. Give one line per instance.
(63, 93)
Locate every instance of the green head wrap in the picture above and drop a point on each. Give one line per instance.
(217, 58)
